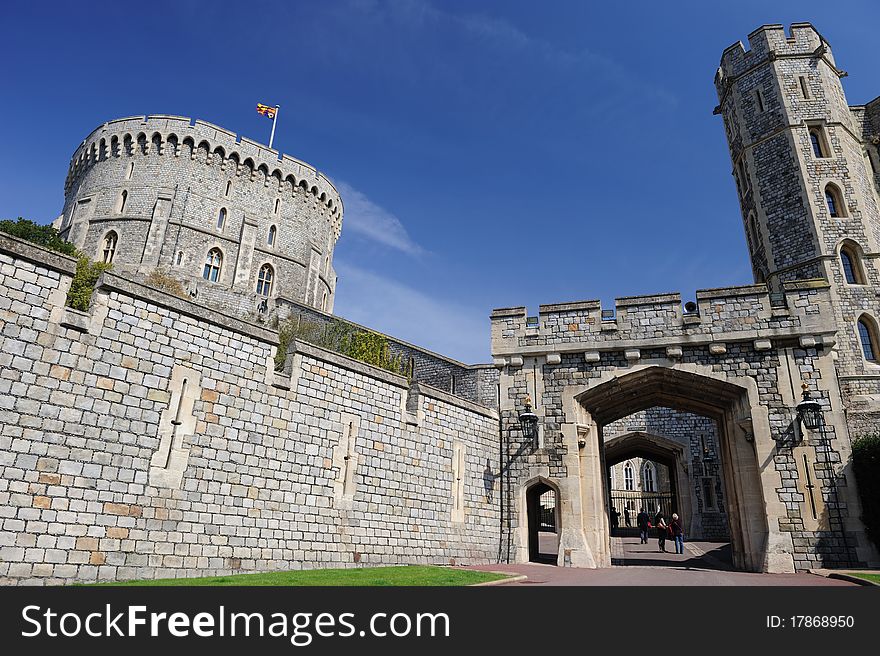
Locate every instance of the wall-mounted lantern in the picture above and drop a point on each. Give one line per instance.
(528, 421)
(809, 411)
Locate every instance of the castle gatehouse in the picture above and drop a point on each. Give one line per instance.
(161, 434)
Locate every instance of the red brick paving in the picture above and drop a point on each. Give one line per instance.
(646, 576)
(702, 564)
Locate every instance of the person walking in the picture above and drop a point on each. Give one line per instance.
(662, 527)
(677, 533)
(615, 518)
(626, 516)
(643, 522)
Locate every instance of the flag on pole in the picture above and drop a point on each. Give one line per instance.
(272, 113)
(266, 111)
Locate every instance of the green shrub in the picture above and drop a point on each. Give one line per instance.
(363, 345)
(42, 235)
(83, 283)
(166, 283)
(866, 467)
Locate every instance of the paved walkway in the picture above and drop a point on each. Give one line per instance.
(631, 552)
(703, 563)
(552, 575)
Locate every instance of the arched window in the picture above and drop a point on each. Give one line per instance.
(277, 205)
(123, 199)
(221, 218)
(851, 269)
(324, 307)
(264, 280)
(130, 171)
(213, 264)
(273, 231)
(868, 338)
(228, 188)
(108, 247)
(834, 200)
(179, 260)
(628, 480)
(649, 478)
(817, 142)
(756, 237)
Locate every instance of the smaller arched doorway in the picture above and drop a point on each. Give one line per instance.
(542, 504)
(654, 478)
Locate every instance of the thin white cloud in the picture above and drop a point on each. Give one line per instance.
(363, 217)
(502, 34)
(439, 325)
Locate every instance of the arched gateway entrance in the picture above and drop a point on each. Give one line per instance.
(728, 404)
(583, 500)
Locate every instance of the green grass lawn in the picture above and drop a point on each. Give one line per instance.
(874, 578)
(406, 575)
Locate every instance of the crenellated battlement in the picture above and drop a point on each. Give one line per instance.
(212, 144)
(746, 313)
(769, 42)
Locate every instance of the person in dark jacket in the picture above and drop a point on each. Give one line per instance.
(643, 521)
(677, 533)
(661, 526)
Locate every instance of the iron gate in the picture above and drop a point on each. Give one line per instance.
(631, 503)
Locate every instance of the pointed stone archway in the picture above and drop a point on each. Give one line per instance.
(663, 451)
(543, 522)
(747, 462)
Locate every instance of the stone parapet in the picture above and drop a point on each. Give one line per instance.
(769, 42)
(746, 313)
(215, 136)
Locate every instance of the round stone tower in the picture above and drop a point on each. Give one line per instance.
(240, 226)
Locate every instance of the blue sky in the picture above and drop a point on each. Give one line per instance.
(489, 154)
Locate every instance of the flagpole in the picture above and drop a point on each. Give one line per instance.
(274, 118)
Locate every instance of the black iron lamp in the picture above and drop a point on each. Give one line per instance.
(809, 411)
(528, 421)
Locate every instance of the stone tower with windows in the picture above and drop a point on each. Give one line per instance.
(806, 168)
(244, 229)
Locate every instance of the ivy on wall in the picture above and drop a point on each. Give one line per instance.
(335, 335)
(83, 283)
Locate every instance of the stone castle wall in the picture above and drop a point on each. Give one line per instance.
(178, 175)
(151, 438)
